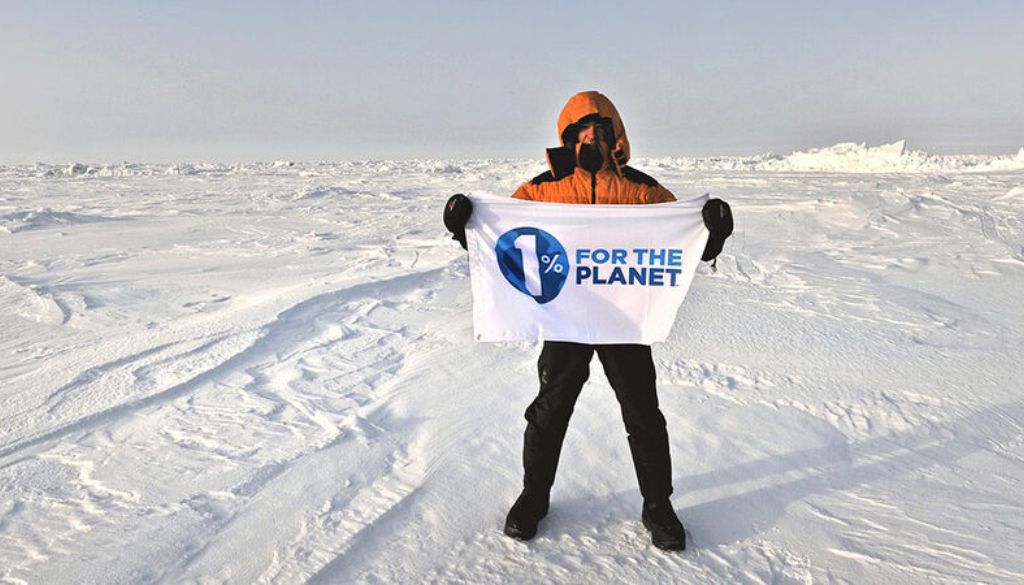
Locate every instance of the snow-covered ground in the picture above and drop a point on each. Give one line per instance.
(266, 373)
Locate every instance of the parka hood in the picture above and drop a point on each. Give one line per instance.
(588, 103)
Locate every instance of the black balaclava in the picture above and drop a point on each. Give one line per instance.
(591, 158)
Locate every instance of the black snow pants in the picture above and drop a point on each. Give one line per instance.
(563, 368)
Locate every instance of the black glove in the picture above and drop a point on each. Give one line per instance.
(456, 214)
(718, 219)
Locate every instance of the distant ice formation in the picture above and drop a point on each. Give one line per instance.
(845, 157)
(852, 157)
(857, 157)
(894, 157)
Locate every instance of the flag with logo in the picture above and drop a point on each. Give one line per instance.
(583, 273)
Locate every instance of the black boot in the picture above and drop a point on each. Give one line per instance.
(522, 519)
(667, 531)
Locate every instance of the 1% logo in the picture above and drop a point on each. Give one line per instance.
(533, 261)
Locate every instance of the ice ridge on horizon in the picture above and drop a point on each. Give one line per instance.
(844, 157)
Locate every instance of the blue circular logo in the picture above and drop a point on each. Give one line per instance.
(534, 262)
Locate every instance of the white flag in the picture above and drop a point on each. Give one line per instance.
(584, 273)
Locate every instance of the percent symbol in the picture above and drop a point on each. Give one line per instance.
(551, 264)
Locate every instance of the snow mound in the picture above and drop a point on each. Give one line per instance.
(187, 169)
(27, 302)
(1014, 193)
(20, 221)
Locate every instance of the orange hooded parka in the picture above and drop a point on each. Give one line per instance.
(568, 182)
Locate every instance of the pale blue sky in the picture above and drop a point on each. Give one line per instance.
(140, 80)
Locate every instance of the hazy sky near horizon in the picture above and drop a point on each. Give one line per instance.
(142, 80)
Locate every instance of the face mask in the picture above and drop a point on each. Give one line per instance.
(591, 158)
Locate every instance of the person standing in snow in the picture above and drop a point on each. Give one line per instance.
(590, 168)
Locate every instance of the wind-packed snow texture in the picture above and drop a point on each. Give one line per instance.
(265, 373)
